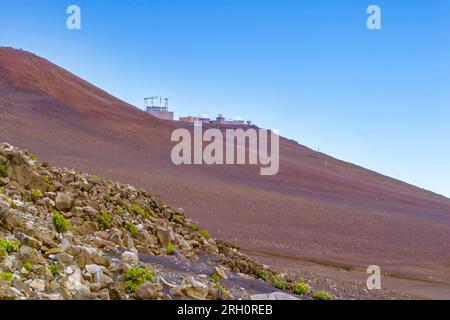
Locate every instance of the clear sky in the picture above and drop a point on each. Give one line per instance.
(311, 69)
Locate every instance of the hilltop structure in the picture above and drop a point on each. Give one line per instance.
(155, 106)
(220, 120)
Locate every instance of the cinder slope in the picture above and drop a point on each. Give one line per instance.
(340, 213)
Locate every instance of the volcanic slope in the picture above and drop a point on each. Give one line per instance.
(337, 214)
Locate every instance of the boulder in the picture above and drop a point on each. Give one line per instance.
(33, 256)
(195, 289)
(63, 201)
(38, 285)
(147, 291)
(164, 236)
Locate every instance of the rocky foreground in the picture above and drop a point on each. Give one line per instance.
(70, 235)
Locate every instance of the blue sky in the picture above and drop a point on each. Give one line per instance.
(311, 69)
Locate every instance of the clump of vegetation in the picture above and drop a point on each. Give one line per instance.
(194, 227)
(170, 248)
(177, 218)
(222, 289)
(263, 275)
(54, 268)
(6, 276)
(131, 227)
(104, 221)
(46, 179)
(138, 210)
(3, 171)
(279, 283)
(136, 276)
(2, 190)
(7, 246)
(215, 276)
(33, 157)
(27, 266)
(36, 194)
(301, 287)
(205, 234)
(61, 223)
(322, 295)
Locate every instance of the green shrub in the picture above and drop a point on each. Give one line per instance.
(6, 276)
(61, 223)
(104, 220)
(27, 266)
(279, 283)
(36, 194)
(136, 276)
(138, 210)
(132, 228)
(322, 295)
(46, 179)
(301, 287)
(177, 218)
(7, 246)
(263, 275)
(170, 248)
(205, 234)
(2, 190)
(33, 157)
(194, 227)
(222, 289)
(53, 268)
(215, 276)
(3, 171)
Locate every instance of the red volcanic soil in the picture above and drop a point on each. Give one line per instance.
(339, 214)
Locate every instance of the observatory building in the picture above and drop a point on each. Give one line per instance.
(159, 107)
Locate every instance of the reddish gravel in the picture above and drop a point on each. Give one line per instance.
(339, 214)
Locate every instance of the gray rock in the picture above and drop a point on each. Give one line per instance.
(63, 201)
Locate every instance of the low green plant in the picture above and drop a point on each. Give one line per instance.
(215, 276)
(131, 227)
(2, 190)
(170, 248)
(53, 268)
(46, 179)
(322, 295)
(263, 275)
(104, 221)
(33, 157)
(205, 234)
(138, 210)
(27, 266)
(3, 171)
(136, 276)
(301, 287)
(177, 218)
(222, 289)
(194, 227)
(6, 276)
(61, 223)
(36, 194)
(279, 283)
(7, 246)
